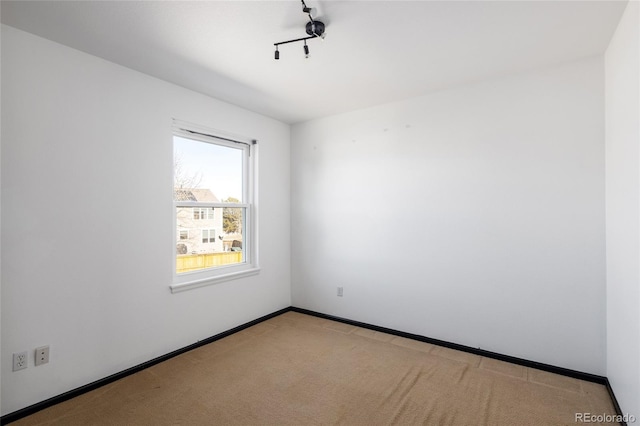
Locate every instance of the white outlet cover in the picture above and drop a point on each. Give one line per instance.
(42, 355)
(20, 361)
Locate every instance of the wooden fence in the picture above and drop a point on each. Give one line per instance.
(194, 262)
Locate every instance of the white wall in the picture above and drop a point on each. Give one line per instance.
(1, 221)
(473, 215)
(622, 70)
(84, 141)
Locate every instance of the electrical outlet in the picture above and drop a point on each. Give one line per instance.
(339, 291)
(19, 361)
(42, 355)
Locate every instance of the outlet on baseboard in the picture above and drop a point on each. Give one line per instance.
(42, 355)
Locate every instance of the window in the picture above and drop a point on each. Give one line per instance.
(208, 236)
(212, 187)
(203, 213)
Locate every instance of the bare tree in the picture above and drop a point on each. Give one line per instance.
(183, 179)
(232, 217)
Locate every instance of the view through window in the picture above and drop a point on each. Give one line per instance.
(210, 193)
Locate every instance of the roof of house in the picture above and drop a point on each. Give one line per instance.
(194, 194)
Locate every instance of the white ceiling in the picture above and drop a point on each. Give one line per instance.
(374, 52)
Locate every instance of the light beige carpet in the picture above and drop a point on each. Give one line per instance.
(295, 369)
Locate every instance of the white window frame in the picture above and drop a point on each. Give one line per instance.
(180, 231)
(209, 231)
(204, 213)
(249, 266)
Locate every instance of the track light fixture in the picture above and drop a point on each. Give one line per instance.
(315, 29)
(308, 10)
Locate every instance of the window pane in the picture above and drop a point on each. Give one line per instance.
(220, 243)
(207, 172)
(208, 236)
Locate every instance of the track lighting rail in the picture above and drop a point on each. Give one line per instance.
(295, 40)
(315, 29)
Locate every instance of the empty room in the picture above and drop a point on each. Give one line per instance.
(320, 212)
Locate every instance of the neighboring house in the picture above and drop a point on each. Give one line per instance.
(198, 229)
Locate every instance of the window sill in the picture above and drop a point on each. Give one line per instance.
(177, 288)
